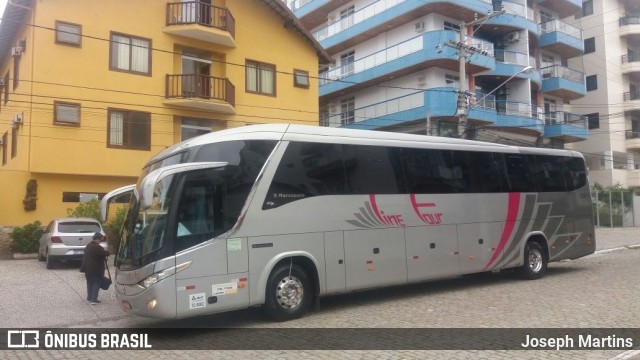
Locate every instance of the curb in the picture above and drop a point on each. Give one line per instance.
(18, 256)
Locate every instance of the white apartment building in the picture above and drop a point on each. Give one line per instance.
(612, 67)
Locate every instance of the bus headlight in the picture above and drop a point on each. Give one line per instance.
(155, 277)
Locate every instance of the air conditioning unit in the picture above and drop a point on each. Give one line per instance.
(1, 82)
(422, 80)
(16, 51)
(333, 108)
(1, 142)
(419, 26)
(18, 118)
(513, 36)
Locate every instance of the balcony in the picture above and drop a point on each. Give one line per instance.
(524, 18)
(631, 63)
(201, 21)
(401, 59)
(564, 8)
(520, 118)
(561, 38)
(632, 100)
(200, 92)
(512, 62)
(563, 82)
(377, 17)
(436, 103)
(566, 126)
(632, 141)
(629, 26)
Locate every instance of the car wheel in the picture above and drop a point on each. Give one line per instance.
(289, 293)
(50, 262)
(535, 261)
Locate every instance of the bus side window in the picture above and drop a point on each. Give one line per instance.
(370, 170)
(519, 174)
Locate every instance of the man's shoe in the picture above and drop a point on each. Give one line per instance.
(95, 302)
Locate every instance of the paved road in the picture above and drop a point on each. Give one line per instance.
(597, 291)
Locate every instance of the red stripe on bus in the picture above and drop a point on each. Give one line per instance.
(512, 216)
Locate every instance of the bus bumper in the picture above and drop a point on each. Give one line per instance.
(157, 301)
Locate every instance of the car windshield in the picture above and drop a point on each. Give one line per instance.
(79, 227)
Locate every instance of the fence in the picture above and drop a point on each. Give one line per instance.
(613, 208)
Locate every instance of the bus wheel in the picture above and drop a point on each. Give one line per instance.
(289, 293)
(535, 261)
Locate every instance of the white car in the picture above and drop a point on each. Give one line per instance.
(66, 238)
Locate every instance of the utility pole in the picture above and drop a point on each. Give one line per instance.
(464, 50)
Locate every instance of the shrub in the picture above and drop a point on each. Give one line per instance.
(90, 209)
(113, 228)
(25, 239)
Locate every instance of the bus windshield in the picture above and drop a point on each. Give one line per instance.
(188, 209)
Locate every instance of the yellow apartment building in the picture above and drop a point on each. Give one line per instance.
(91, 89)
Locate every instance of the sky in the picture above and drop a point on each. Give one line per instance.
(3, 3)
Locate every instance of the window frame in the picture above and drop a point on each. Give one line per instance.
(591, 45)
(66, 123)
(259, 67)
(68, 43)
(593, 85)
(126, 123)
(593, 118)
(5, 138)
(16, 71)
(131, 37)
(6, 87)
(304, 74)
(14, 141)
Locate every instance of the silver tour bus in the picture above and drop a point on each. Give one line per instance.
(280, 215)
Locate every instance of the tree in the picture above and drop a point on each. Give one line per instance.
(90, 209)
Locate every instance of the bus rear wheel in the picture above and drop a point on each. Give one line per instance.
(535, 261)
(289, 293)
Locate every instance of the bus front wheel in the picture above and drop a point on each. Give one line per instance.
(289, 293)
(535, 261)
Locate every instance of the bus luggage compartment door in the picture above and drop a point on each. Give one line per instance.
(375, 258)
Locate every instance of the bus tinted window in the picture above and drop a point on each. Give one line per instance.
(372, 169)
(483, 172)
(575, 173)
(307, 170)
(548, 172)
(519, 174)
(429, 171)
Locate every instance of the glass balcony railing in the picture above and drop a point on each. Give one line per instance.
(565, 118)
(627, 58)
(629, 20)
(557, 25)
(483, 101)
(513, 57)
(515, 9)
(630, 134)
(632, 95)
(562, 72)
(389, 54)
(357, 17)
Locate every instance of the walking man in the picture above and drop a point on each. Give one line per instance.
(93, 266)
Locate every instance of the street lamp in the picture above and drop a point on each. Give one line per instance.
(463, 123)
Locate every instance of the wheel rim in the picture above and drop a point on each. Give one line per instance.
(290, 292)
(535, 259)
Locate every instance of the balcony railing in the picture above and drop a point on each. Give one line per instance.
(565, 118)
(632, 95)
(200, 86)
(627, 58)
(483, 101)
(630, 134)
(200, 13)
(391, 53)
(297, 4)
(514, 108)
(557, 25)
(628, 20)
(357, 17)
(513, 57)
(513, 8)
(562, 72)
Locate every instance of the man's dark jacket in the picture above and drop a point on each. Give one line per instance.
(93, 261)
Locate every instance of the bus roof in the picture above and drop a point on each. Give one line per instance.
(351, 136)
